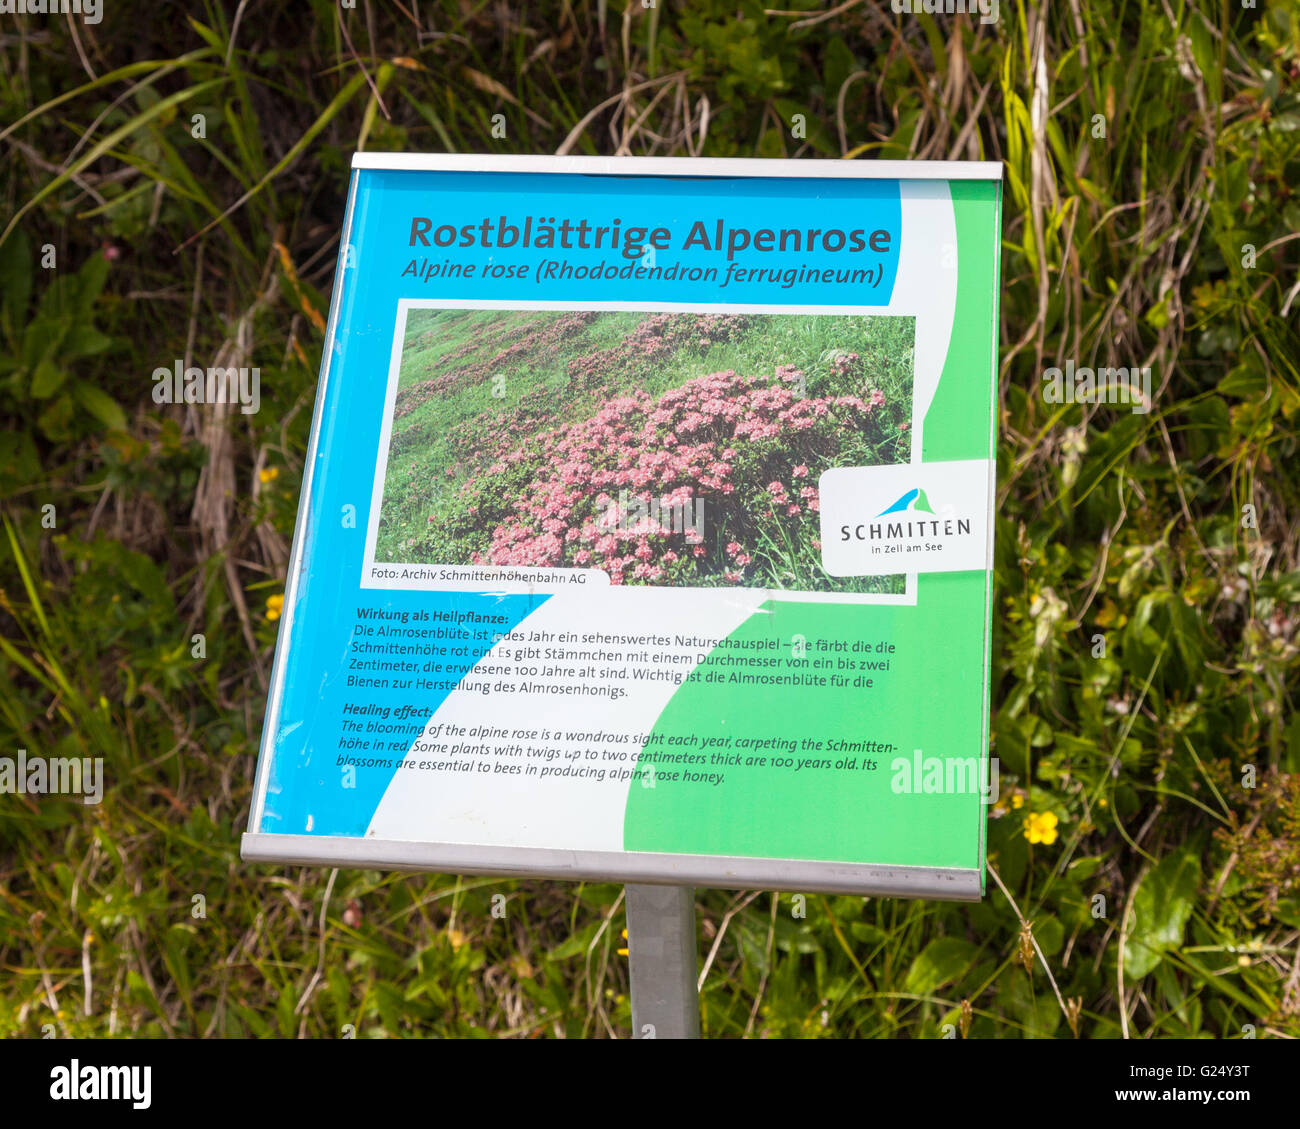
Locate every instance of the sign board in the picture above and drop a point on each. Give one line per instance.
(646, 528)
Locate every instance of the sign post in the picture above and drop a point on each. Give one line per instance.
(664, 961)
(646, 536)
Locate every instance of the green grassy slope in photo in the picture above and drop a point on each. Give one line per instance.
(665, 448)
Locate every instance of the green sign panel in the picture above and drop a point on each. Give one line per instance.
(648, 529)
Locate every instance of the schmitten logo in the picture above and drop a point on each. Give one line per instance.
(923, 517)
(914, 499)
(900, 536)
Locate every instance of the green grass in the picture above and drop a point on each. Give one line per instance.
(1151, 154)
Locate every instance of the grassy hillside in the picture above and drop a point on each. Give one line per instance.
(471, 440)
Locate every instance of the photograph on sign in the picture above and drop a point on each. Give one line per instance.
(647, 535)
(660, 449)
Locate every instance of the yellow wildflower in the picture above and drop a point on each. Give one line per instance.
(1017, 800)
(268, 474)
(623, 952)
(274, 606)
(1040, 827)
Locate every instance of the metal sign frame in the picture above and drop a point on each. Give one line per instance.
(636, 868)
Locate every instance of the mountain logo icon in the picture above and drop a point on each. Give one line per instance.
(912, 500)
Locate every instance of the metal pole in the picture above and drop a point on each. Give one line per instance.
(664, 962)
